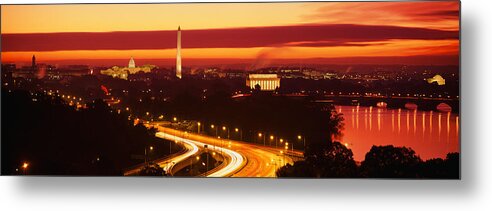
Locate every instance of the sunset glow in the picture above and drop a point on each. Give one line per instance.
(405, 30)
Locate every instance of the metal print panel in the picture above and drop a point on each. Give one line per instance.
(285, 90)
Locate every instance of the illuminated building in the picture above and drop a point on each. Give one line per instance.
(178, 54)
(131, 64)
(124, 72)
(267, 82)
(438, 79)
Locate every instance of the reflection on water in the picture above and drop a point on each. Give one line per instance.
(419, 132)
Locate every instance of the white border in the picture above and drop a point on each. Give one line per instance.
(473, 192)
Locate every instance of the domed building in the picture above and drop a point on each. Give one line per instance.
(438, 79)
(131, 64)
(124, 72)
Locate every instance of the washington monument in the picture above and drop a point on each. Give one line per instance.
(178, 55)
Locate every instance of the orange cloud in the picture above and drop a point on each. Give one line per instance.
(434, 15)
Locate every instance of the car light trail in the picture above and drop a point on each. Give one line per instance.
(245, 159)
(236, 160)
(236, 163)
(192, 149)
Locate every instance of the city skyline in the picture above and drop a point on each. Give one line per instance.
(331, 33)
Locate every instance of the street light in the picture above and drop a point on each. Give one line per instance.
(261, 135)
(224, 128)
(175, 119)
(299, 137)
(292, 146)
(145, 153)
(191, 164)
(24, 166)
(216, 129)
(240, 134)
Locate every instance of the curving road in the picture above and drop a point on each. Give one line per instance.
(245, 159)
(168, 163)
(191, 149)
(234, 161)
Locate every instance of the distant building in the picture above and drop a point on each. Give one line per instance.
(124, 72)
(131, 64)
(267, 82)
(8, 67)
(33, 64)
(7, 70)
(438, 79)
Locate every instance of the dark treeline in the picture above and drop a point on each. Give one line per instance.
(260, 113)
(336, 161)
(384, 87)
(56, 139)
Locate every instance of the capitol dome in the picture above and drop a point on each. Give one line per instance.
(131, 64)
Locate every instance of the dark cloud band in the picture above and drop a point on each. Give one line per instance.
(303, 35)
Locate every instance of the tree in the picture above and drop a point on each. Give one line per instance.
(87, 141)
(337, 161)
(152, 169)
(390, 162)
(331, 161)
(439, 168)
(323, 158)
(299, 169)
(432, 168)
(452, 165)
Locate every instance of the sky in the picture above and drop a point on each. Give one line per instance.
(327, 32)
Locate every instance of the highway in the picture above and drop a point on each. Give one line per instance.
(244, 159)
(191, 147)
(263, 161)
(168, 163)
(234, 161)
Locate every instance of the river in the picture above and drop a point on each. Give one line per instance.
(430, 134)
